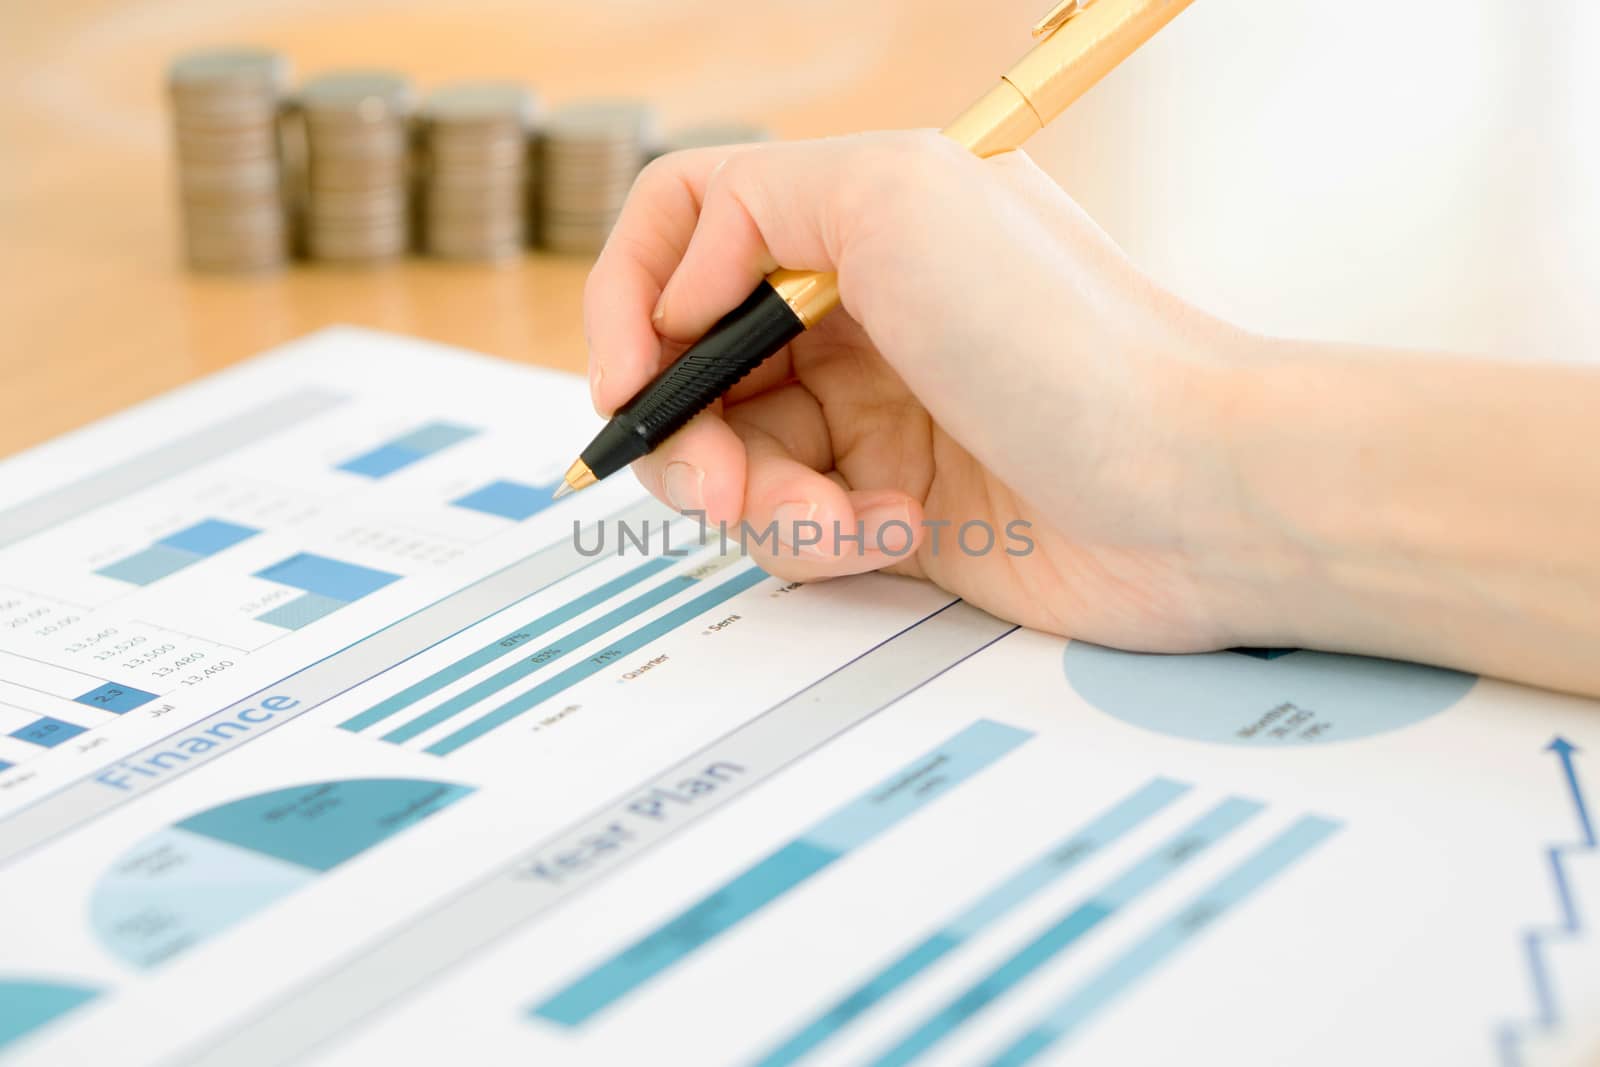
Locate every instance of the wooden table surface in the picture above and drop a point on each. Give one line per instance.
(98, 310)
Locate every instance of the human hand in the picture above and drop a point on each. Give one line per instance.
(995, 361)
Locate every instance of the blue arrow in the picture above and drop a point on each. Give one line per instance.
(1564, 749)
(1536, 940)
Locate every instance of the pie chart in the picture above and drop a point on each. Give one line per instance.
(26, 1005)
(1261, 697)
(192, 880)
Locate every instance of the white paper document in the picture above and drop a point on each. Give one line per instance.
(326, 737)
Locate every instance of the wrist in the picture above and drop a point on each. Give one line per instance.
(1257, 517)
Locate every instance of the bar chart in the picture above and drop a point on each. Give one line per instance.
(1169, 937)
(900, 796)
(599, 660)
(177, 551)
(1147, 873)
(1022, 885)
(499, 680)
(507, 499)
(325, 584)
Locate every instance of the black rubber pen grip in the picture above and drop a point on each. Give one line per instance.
(741, 341)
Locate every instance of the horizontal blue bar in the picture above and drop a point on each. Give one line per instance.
(505, 645)
(958, 759)
(1147, 954)
(975, 748)
(117, 698)
(476, 694)
(208, 537)
(302, 611)
(149, 565)
(508, 500)
(1147, 873)
(434, 437)
(326, 577)
(381, 461)
(597, 662)
(994, 905)
(4, 766)
(47, 732)
(751, 891)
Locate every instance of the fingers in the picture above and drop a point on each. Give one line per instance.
(701, 228)
(762, 470)
(622, 289)
(703, 466)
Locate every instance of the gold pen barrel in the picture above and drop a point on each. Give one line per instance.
(1071, 58)
(1086, 48)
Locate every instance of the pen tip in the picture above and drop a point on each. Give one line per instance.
(578, 476)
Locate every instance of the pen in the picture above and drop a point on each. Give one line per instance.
(1079, 42)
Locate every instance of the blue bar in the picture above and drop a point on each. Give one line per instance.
(923, 781)
(505, 645)
(116, 698)
(47, 732)
(1021, 886)
(380, 461)
(747, 894)
(302, 611)
(150, 565)
(1146, 955)
(1144, 875)
(597, 662)
(407, 449)
(434, 437)
(327, 577)
(591, 631)
(508, 500)
(209, 537)
(4, 766)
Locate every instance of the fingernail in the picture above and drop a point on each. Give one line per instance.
(659, 315)
(894, 542)
(597, 374)
(800, 540)
(685, 486)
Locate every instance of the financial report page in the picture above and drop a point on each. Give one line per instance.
(326, 736)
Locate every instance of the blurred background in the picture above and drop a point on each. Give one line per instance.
(1418, 174)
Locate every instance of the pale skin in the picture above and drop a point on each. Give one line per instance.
(1188, 485)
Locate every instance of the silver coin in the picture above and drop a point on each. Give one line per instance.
(373, 172)
(356, 95)
(600, 120)
(215, 69)
(479, 104)
(367, 244)
(226, 145)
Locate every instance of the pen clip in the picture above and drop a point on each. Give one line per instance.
(1058, 16)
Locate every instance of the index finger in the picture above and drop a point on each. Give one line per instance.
(640, 255)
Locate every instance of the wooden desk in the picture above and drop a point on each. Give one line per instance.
(97, 311)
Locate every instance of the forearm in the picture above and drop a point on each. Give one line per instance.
(1437, 509)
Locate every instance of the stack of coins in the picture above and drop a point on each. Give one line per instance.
(358, 165)
(475, 178)
(592, 152)
(713, 134)
(230, 173)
